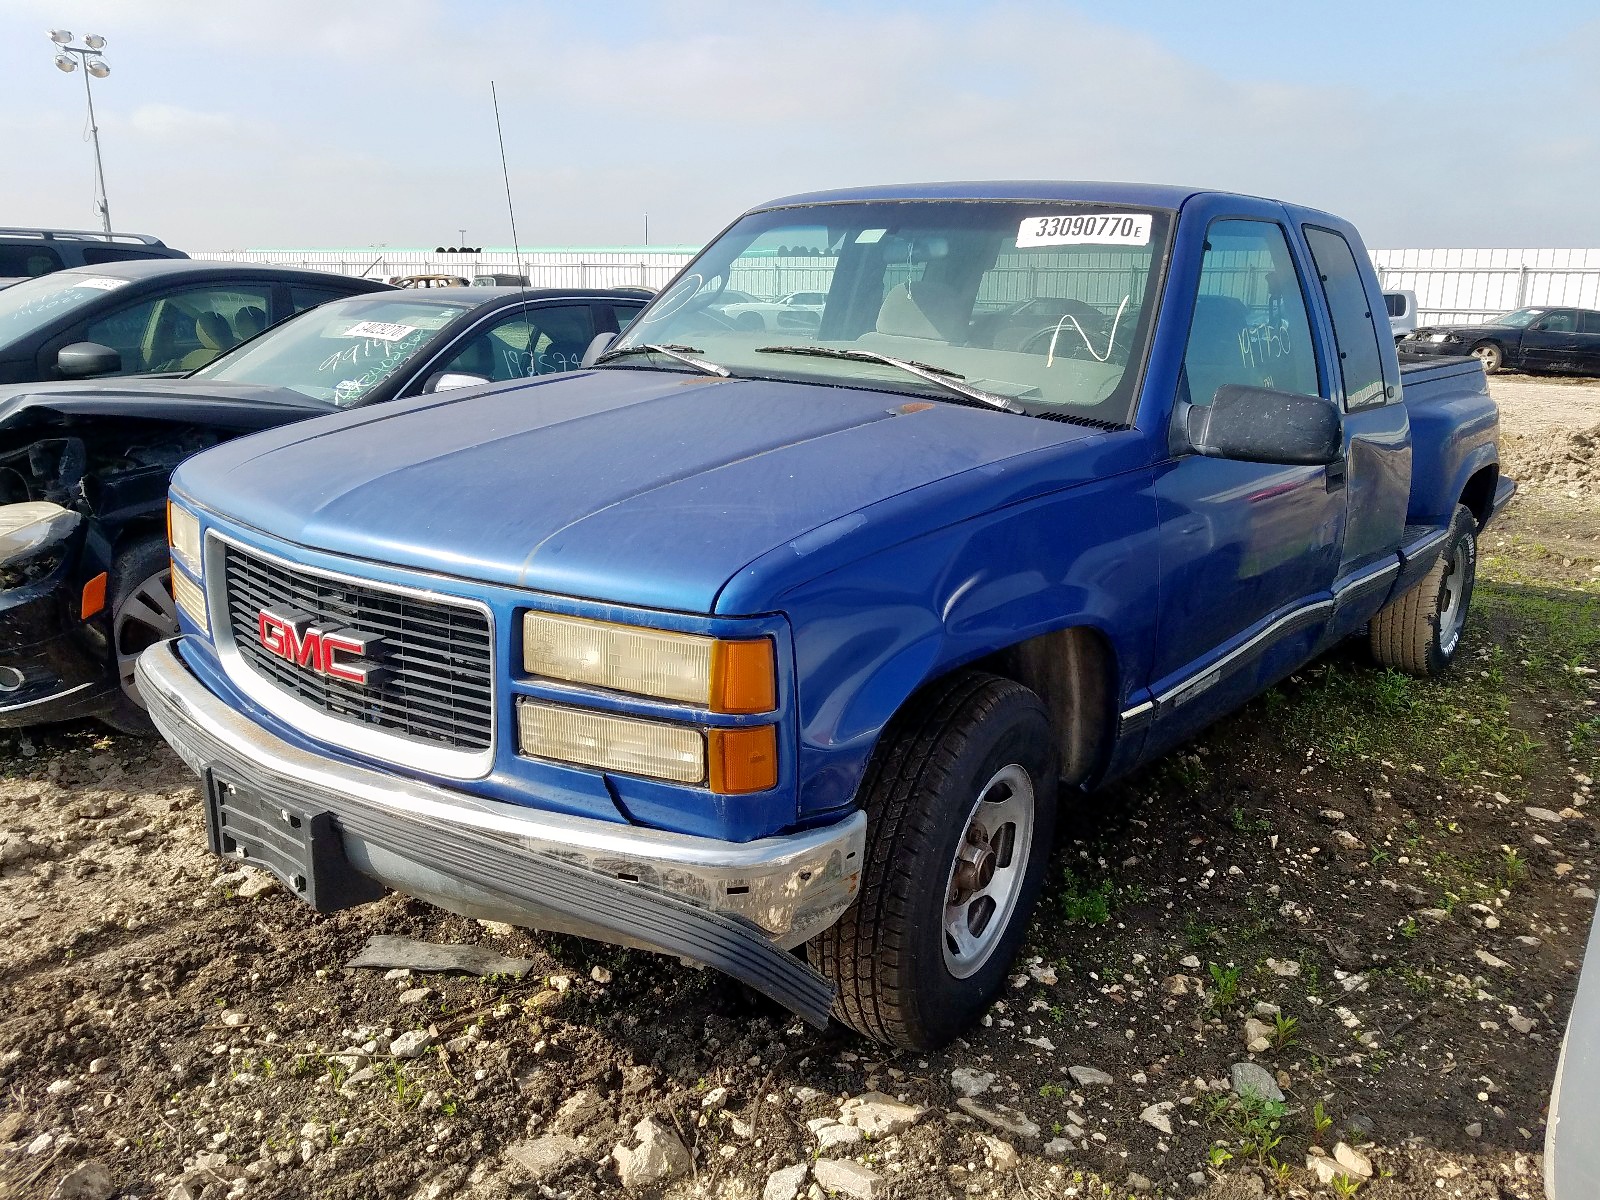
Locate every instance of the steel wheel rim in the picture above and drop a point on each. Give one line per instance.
(1453, 609)
(149, 615)
(987, 871)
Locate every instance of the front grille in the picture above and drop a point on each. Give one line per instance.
(437, 656)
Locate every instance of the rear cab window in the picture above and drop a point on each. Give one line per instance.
(1360, 359)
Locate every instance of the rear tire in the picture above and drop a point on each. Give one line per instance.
(1419, 632)
(1491, 356)
(142, 613)
(960, 799)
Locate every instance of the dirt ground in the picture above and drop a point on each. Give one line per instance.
(1392, 879)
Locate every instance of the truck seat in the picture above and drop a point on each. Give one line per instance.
(926, 310)
(1214, 357)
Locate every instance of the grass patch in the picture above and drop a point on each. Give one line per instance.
(1459, 726)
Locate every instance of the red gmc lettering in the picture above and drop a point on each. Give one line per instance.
(291, 636)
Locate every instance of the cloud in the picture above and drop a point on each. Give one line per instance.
(367, 121)
(174, 123)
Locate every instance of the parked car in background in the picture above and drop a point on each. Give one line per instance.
(430, 281)
(1571, 1150)
(29, 253)
(796, 311)
(499, 279)
(1527, 339)
(84, 582)
(138, 318)
(1402, 308)
(743, 640)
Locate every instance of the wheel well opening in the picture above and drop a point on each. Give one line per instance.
(1478, 495)
(1074, 672)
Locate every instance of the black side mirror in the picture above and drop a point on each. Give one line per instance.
(597, 346)
(1262, 425)
(87, 358)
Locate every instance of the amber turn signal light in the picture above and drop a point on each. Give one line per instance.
(743, 677)
(743, 760)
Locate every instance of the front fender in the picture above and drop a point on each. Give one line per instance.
(872, 632)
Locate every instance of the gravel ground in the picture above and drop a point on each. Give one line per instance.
(1367, 893)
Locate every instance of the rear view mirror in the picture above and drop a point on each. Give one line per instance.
(1252, 424)
(447, 381)
(81, 359)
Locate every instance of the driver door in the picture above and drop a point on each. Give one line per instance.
(1249, 551)
(1552, 341)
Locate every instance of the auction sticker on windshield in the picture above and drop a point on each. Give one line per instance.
(100, 283)
(1100, 229)
(383, 331)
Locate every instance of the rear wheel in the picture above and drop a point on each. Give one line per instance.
(1490, 355)
(1419, 632)
(960, 802)
(142, 614)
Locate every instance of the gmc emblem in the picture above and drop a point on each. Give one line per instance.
(289, 634)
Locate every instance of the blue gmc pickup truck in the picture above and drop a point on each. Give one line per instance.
(780, 650)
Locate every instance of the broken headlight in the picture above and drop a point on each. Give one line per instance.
(33, 539)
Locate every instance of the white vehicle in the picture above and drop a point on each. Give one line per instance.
(798, 311)
(1402, 306)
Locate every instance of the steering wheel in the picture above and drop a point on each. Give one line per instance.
(1070, 342)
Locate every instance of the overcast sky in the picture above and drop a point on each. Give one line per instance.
(351, 123)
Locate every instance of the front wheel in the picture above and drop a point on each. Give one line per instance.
(1419, 632)
(142, 614)
(961, 802)
(1490, 355)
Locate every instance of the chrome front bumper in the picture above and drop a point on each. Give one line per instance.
(738, 907)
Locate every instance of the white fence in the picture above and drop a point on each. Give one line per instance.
(610, 266)
(1451, 285)
(1468, 286)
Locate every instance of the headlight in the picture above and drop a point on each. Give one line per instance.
(590, 739)
(183, 534)
(726, 676)
(31, 537)
(1438, 337)
(730, 762)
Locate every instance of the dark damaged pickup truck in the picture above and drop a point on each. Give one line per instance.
(781, 650)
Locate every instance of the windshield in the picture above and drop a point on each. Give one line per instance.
(29, 306)
(1519, 318)
(1046, 304)
(338, 351)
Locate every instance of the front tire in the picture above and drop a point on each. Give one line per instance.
(142, 614)
(1491, 356)
(961, 803)
(1419, 632)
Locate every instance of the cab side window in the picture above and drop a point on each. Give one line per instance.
(183, 331)
(1250, 325)
(542, 341)
(1562, 320)
(1360, 361)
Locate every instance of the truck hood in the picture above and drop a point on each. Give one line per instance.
(234, 406)
(640, 487)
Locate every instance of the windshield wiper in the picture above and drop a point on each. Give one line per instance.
(683, 354)
(946, 379)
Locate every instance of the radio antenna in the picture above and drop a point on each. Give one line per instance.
(511, 210)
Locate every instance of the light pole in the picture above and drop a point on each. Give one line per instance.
(94, 65)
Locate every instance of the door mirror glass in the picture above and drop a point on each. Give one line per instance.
(82, 359)
(1254, 424)
(600, 343)
(447, 381)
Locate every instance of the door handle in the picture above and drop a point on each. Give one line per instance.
(1336, 475)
